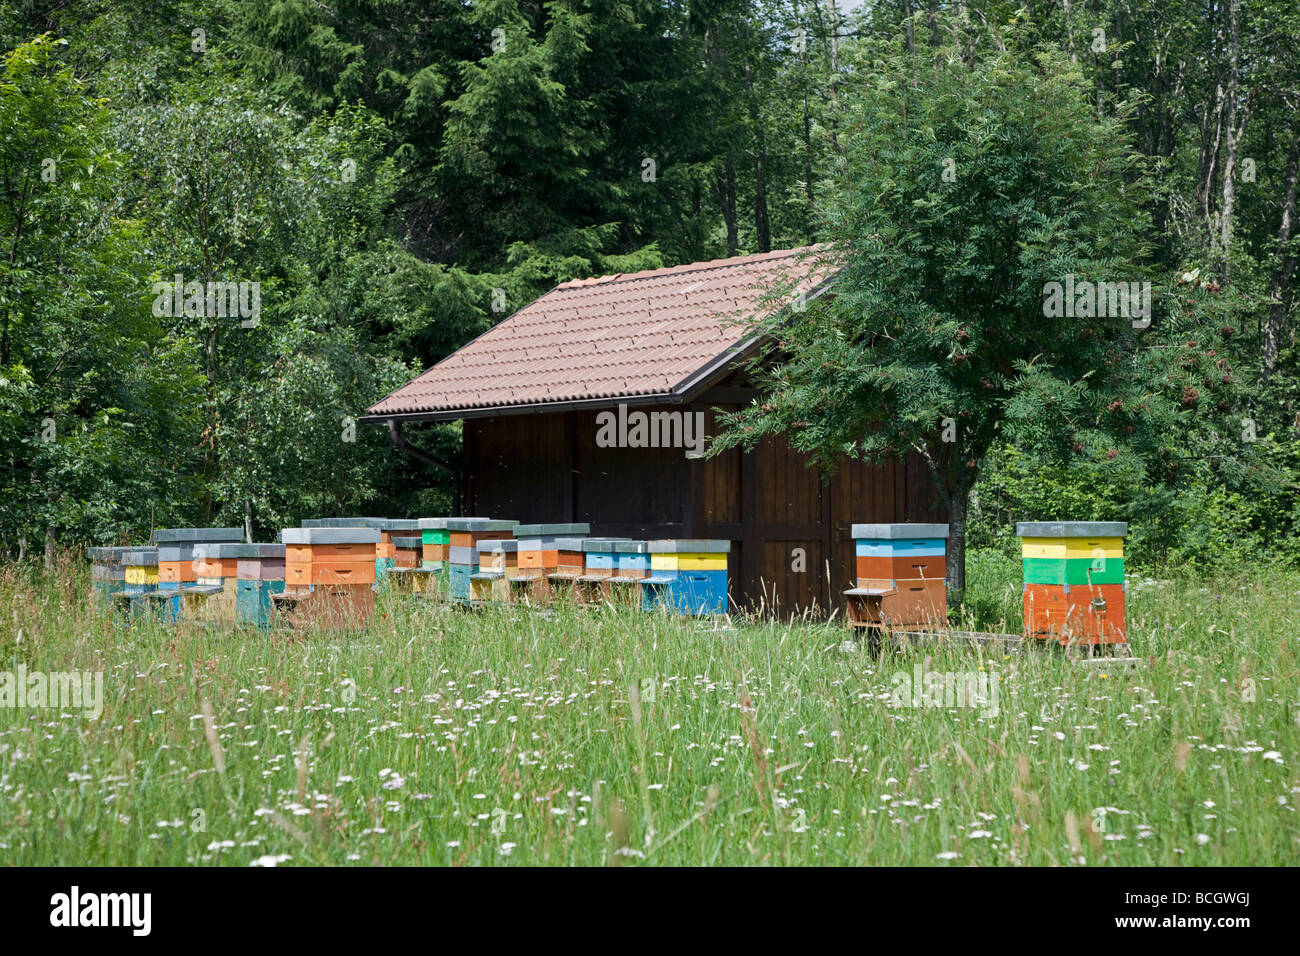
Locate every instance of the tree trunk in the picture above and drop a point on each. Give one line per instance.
(49, 547)
(1232, 139)
(762, 225)
(1069, 30)
(1279, 292)
(1211, 128)
(727, 197)
(955, 574)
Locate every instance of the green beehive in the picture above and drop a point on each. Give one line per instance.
(1072, 552)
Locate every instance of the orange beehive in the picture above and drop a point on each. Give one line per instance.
(329, 556)
(1076, 613)
(900, 567)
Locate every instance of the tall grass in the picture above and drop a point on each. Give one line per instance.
(595, 736)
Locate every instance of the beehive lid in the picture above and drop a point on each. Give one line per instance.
(491, 545)
(408, 541)
(601, 544)
(895, 531)
(632, 547)
(198, 535)
(569, 544)
(380, 524)
(109, 555)
(219, 551)
(1071, 529)
(537, 530)
(141, 557)
(435, 524)
(329, 536)
(689, 545)
(480, 524)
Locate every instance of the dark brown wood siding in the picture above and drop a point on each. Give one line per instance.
(790, 535)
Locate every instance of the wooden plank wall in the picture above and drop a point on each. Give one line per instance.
(768, 504)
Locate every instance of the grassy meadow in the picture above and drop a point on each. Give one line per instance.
(601, 736)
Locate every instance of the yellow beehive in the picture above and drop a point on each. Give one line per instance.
(141, 575)
(1067, 548)
(689, 561)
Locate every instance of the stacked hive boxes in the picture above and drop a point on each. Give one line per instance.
(568, 571)
(107, 571)
(435, 539)
(464, 534)
(900, 572)
(689, 576)
(387, 553)
(181, 554)
(1074, 580)
(260, 576)
(329, 575)
(140, 570)
(435, 543)
(176, 547)
(599, 562)
(389, 529)
(539, 557)
(216, 573)
(631, 567)
(409, 548)
(498, 560)
(140, 579)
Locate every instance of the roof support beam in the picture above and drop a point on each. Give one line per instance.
(419, 454)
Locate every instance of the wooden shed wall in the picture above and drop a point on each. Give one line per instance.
(537, 468)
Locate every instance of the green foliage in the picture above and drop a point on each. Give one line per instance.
(90, 382)
(491, 165)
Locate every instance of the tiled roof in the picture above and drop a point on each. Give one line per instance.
(612, 337)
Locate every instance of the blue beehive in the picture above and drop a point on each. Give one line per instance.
(689, 576)
(259, 576)
(107, 571)
(465, 533)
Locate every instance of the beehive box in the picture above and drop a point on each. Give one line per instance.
(900, 571)
(632, 560)
(409, 548)
(497, 563)
(689, 576)
(1074, 590)
(464, 534)
(326, 607)
(177, 550)
(386, 547)
(329, 555)
(140, 570)
(538, 549)
(434, 538)
(563, 580)
(599, 557)
(259, 576)
(569, 561)
(911, 603)
(107, 571)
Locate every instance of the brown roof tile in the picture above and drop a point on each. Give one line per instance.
(634, 334)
